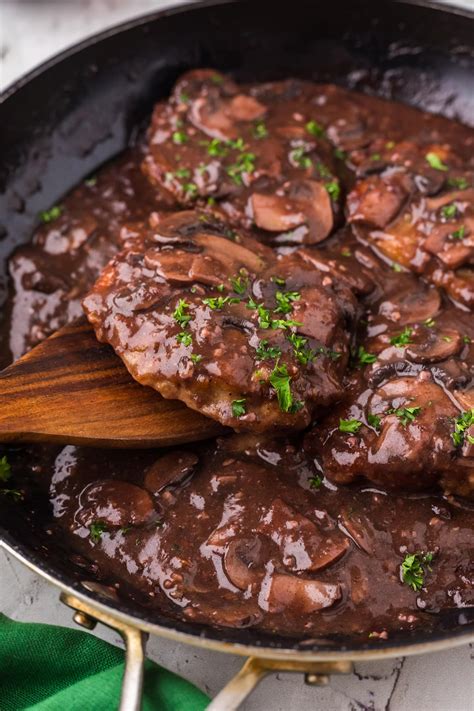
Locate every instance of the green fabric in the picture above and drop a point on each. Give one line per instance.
(48, 668)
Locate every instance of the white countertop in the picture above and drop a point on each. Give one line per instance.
(30, 32)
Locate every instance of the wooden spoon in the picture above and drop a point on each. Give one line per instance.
(73, 389)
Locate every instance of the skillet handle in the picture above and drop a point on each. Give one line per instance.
(255, 669)
(135, 642)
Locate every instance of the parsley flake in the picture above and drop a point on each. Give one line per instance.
(434, 161)
(334, 190)
(406, 415)
(179, 138)
(185, 338)
(265, 352)
(5, 470)
(374, 420)
(218, 302)
(460, 233)
(180, 314)
(449, 211)
(365, 358)
(260, 130)
(403, 338)
(239, 407)
(195, 358)
(461, 424)
(280, 381)
(351, 426)
(414, 567)
(315, 481)
(96, 530)
(315, 128)
(52, 214)
(299, 158)
(284, 300)
(460, 183)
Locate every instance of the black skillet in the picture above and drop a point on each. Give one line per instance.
(64, 119)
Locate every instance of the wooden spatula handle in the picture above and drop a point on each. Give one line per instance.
(73, 389)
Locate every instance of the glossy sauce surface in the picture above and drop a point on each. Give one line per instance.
(302, 534)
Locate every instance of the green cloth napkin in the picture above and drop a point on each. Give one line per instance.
(48, 668)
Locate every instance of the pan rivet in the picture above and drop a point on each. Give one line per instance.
(316, 679)
(80, 618)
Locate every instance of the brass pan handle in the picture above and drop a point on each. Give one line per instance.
(135, 642)
(235, 691)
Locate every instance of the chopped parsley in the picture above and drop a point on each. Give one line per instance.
(299, 157)
(414, 567)
(460, 233)
(315, 128)
(351, 426)
(190, 189)
(406, 415)
(447, 339)
(180, 314)
(460, 183)
(449, 211)
(389, 145)
(182, 173)
(461, 424)
(466, 339)
(245, 163)
(434, 161)
(375, 156)
(280, 382)
(303, 354)
(365, 358)
(239, 284)
(179, 138)
(403, 338)
(339, 153)
(185, 338)
(429, 322)
(396, 267)
(278, 280)
(265, 352)
(96, 530)
(218, 302)
(284, 300)
(183, 98)
(52, 214)
(5, 470)
(374, 421)
(195, 358)
(239, 408)
(216, 148)
(334, 190)
(260, 130)
(346, 252)
(315, 481)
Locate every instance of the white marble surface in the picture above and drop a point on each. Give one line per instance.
(30, 32)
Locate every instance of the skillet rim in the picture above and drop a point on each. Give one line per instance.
(209, 637)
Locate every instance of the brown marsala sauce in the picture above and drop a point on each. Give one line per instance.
(305, 533)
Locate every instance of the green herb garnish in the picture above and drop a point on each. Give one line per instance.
(429, 322)
(298, 156)
(351, 426)
(239, 408)
(334, 190)
(5, 470)
(449, 211)
(218, 302)
(284, 300)
(245, 163)
(315, 481)
(365, 358)
(315, 129)
(96, 530)
(52, 214)
(280, 381)
(460, 183)
(179, 138)
(435, 162)
(265, 352)
(406, 415)
(195, 358)
(180, 314)
(260, 130)
(239, 284)
(303, 354)
(460, 233)
(461, 424)
(403, 338)
(185, 338)
(414, 567)
(374, 421)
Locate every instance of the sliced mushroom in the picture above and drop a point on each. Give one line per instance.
(314, 201)
(302, 544)
(243, 561)
(375, 201)
(115, 503)
(275, 213)
(170, 469)
(245, 108)
(300, 595)
(433, 346)
(359, 528)
(209, 115)
(410, 302)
